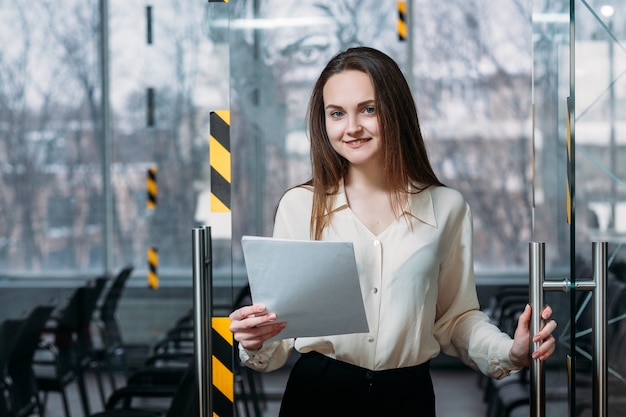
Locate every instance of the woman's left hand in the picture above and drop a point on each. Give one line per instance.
(520, 352)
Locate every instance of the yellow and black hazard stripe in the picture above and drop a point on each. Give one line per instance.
(569, 188)
(402, 25)
(218, 1)
(222, 364)
(151, 187)
(153, 264)
(219, 148)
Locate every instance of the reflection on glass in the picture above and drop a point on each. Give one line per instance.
(471, 66)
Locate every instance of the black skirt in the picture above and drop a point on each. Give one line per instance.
(321, 386)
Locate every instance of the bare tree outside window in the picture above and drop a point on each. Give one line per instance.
(52, 204)
(470, 67)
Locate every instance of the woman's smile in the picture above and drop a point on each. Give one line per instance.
(357, 142)
(352, 118)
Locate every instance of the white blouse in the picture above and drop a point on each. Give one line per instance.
(417, 280)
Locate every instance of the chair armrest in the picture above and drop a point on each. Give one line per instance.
(182, 357)
(154, 376)
(122, 397)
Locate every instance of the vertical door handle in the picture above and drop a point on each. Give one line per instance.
(537, 286)
(203, 310)
(537, 274)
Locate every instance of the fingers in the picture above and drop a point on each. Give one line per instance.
(523, 322)
(545, 332)
(247, 311)
(546, 313)
(250, 316)
(253, 325)
(253, 339)
(546, 349)
(545, 341)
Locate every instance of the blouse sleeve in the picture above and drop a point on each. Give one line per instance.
(461, 328)
(270, 357)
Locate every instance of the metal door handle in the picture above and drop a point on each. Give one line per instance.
(537, 286)
(203, 310)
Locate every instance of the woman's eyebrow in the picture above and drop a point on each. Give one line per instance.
(361, 104)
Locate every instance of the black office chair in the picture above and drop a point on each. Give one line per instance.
(67, 352)
(25, 392)
(184, 399)
(110, 356)
(6, 341)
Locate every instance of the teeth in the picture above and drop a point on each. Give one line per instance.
(357, 141)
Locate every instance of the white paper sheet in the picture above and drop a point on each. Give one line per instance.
(313, 286)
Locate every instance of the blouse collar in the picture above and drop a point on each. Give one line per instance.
(420, 204)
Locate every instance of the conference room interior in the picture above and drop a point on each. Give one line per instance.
(140, 141)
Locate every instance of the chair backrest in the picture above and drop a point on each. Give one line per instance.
(79, 309)
(26, 339)
(72, 331)
(114, 294)
(6, 341)
(186, 400)
(112, 335)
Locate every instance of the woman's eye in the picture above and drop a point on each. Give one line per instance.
(336, 114)
(369, 110)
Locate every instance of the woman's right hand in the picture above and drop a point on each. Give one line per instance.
(252, 325)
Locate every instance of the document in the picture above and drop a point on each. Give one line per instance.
(313, 286)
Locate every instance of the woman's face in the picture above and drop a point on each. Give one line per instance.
(351, 117)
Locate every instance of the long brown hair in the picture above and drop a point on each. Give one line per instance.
(405, 159)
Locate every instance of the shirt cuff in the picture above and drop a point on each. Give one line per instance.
(258, 359)
(501, 365)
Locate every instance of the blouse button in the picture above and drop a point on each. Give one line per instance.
(374, 290)
(370, 338)
(377, 243)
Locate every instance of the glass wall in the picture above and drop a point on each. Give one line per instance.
(600, 133)
(469, 64)
(579, 185)
(61, 169)
(168, 67)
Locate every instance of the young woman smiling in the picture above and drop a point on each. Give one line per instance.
(372, 184)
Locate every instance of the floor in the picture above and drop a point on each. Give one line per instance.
(457, 394)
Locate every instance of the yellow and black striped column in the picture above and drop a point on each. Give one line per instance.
(151, 204)
(222, 363)
(153, 265)
(570, 185)
(220, 160)
(402, 25)
(219, 148)
(151, 187)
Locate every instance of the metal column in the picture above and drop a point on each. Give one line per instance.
(203, 310)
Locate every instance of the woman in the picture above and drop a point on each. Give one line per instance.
(372, 184)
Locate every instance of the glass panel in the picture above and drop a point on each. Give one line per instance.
(278, 49)
(168, 69)
(470, 69)
(165, 77)
(50, 155)
(165, 80)
(593, 171)
(550, 193)
(600, 182)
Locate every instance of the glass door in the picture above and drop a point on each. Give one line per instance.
(579, 192)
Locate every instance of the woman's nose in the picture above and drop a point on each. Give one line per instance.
(354, 126)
